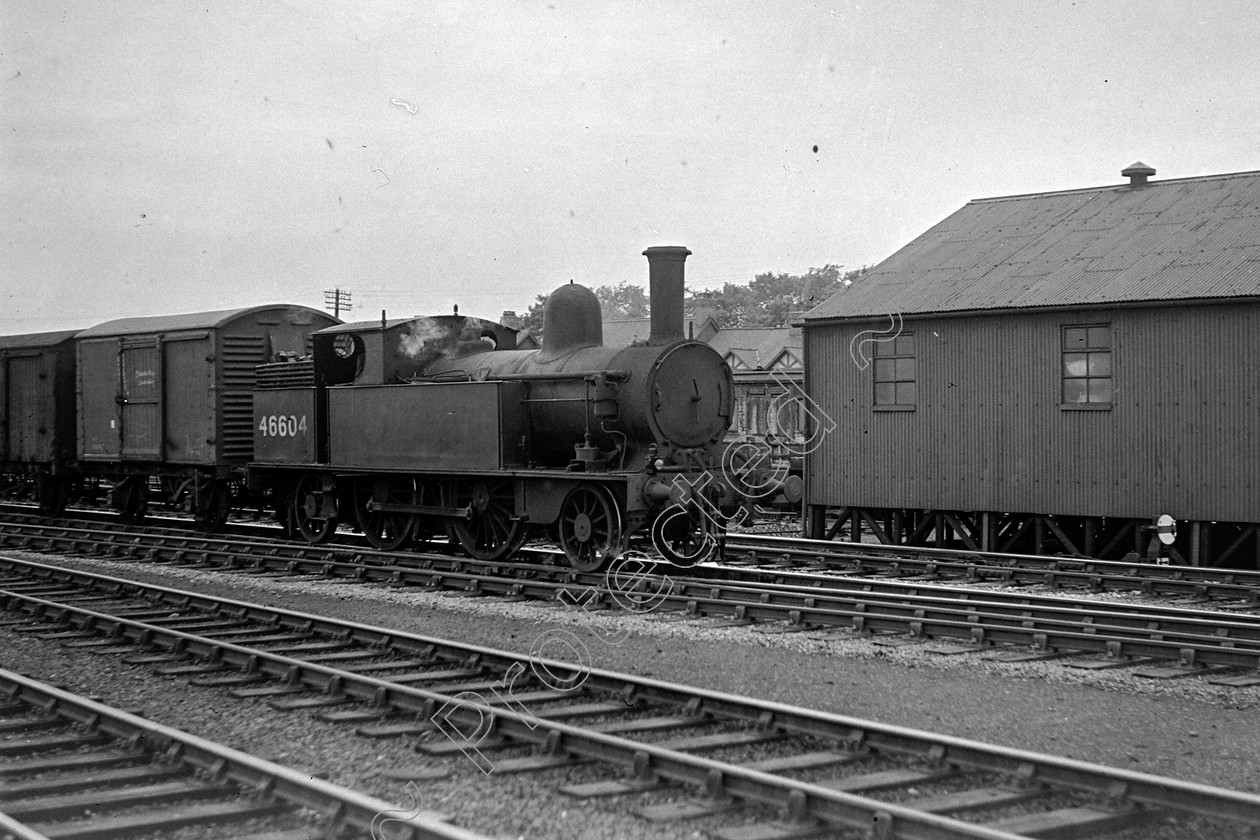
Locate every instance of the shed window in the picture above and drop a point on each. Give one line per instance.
(896, 377)
(1087, 365)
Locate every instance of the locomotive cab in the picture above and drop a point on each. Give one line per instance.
(396, 351)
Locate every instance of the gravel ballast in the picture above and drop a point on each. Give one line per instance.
(1183, 728)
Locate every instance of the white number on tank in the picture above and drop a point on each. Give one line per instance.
(281, 425)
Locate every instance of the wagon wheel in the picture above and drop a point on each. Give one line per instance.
(131, 499)
(490, 533)
(314, 509)
(682, 534)
(589, 528)
(384, 530)
(53, 492)
(211, 503)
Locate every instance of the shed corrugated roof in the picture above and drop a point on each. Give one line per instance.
(1169, 240)
(186, 321)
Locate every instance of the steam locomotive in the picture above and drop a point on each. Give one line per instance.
(406, 428)
(415, 427)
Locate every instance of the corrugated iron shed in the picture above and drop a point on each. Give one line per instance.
(1178, 239)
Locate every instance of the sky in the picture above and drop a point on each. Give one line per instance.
(174, 157)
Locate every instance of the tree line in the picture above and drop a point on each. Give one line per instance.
(767, 301)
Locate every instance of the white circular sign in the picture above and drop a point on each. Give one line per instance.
(1166, 528)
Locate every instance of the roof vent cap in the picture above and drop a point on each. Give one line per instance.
(1137, 173)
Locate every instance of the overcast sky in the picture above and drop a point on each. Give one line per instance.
(173, 157)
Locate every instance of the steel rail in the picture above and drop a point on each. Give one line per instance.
(182, 544)
(852, 559)
(867, 558)
(839, 807)
(11, 829)
(791, 796)
(343, 808)
(1046, 624)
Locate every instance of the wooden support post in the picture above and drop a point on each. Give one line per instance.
(815, 521)
(1091, 524)
(1196, 533)
(1015, 528)
(988, 532)
(1061, 535)
(1236, 544)
(1115, 541)
(873, 526)
(961, 529)
(835, 530)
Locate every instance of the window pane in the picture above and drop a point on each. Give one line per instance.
(885, 370)
(1100, 390)
(1099, 338)
(905, 370)
(1074, 364)
(1074, 390)
(885, 346)
(1074, 338)
(1100, 364)
(907, 393)
(905, 345)
(884, 393)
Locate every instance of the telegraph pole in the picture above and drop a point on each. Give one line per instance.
(337, 300)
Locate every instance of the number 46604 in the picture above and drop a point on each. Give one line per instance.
(280, 425)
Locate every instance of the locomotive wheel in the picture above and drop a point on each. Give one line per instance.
(491, 533)
(589, 528)
(386, 531)
(211, 502)
(310, 518)
(131, 499)
(682, 535)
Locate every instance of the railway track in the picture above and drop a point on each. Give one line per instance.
(778, 557)
(947, 565)
(1159, 641)
(809, 772)
(75, 769)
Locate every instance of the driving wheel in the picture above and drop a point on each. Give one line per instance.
(315, 508)
(589, 528)
(385, 530)
(490, 532)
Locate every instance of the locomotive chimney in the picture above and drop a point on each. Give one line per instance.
(665, 292)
